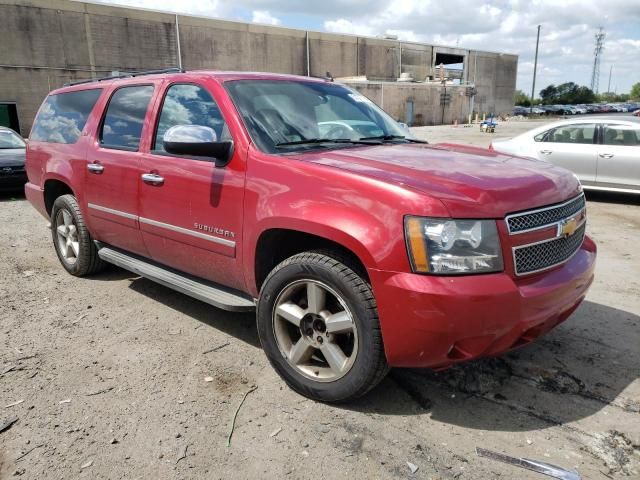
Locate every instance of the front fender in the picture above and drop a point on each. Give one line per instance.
(364, 215)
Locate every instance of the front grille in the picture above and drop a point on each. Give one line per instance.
(11, 170)
(540, 256)
(540, 218)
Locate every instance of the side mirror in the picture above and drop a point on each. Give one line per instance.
(197, 141)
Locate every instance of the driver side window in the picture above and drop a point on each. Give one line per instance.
(188, 104)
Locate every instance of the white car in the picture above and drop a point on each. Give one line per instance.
(604, 152)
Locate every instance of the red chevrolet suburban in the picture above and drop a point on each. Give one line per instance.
(359, 246)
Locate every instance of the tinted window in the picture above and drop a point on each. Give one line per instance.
(572, 134)
(625, 135)
(189, 105)
(123, 121)
(9, 140)
(63, 116)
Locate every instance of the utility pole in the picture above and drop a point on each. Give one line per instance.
(597, 53)
(535, 69)
(609, 85)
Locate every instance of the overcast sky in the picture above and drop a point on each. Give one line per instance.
(566, 41)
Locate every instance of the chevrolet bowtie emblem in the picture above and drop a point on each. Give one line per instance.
(568, 226)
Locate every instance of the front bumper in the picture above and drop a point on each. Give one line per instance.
(432, 321)
(13, 182)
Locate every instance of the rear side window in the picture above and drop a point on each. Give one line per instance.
(63, 116)
(122, 125)
(623, 135)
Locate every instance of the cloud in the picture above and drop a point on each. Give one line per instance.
(343, 25)
(207, 8)
(263, 16)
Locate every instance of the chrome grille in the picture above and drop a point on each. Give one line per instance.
(546, 254)
(543, 217)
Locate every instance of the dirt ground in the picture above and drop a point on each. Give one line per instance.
(107, 377)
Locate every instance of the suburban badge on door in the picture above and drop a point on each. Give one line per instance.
(216, 230)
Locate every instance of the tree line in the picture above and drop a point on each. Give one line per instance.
(572, 94)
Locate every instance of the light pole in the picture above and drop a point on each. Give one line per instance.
(535, 69)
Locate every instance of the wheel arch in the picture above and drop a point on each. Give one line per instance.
(54, 188)
(276, 244)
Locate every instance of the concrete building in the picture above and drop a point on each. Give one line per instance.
(49, 42)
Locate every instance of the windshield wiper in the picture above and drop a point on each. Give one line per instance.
(311, 141)
(386, 138)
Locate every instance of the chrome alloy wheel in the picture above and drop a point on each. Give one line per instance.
(315, 330)
(67, 234)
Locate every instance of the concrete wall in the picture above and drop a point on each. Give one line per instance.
(417, 60)
(48, 42)
(494, 76)
(221, 45)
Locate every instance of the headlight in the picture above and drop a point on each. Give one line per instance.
(447, 247)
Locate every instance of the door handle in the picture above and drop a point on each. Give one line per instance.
(606, 155)
(95, 168)
(152, 179)
(546, 152)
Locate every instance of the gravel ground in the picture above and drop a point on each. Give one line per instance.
(114, 376)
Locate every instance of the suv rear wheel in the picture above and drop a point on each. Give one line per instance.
(71, 239)
(318, 325)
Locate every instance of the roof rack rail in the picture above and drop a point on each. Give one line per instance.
(126, 75)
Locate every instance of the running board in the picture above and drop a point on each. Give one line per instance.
(207, 292)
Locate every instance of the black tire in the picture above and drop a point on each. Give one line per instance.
(87, 260)
(330, 268)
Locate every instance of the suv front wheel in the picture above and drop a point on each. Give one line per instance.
(71, 239)
(318, 325)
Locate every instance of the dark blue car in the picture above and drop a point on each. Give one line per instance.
(12, 154)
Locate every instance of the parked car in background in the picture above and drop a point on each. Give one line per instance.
(637, 113)
(517, 110)
(360, 248)
(549, 109)
(603, 152)
(558, 109)
(12, 157)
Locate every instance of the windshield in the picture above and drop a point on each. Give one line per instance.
(10, 140)
(286, 116)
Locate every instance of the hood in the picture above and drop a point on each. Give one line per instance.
(471, 182)
(12, 157)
